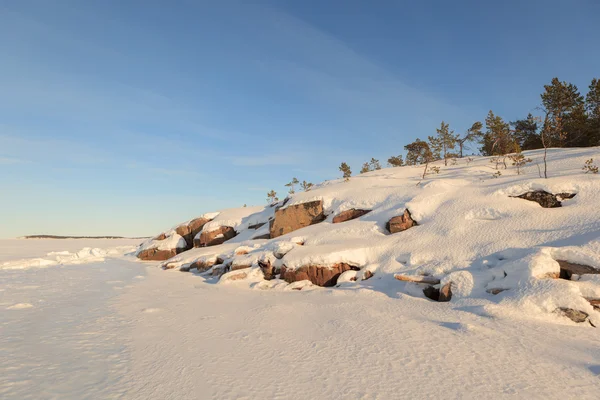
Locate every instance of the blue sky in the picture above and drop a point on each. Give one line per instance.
(126, 117)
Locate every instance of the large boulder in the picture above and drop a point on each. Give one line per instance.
(567, 269)
(295, 217)
(161, 247)
(545, 199)
(401, 222)
(349, 215)
(214, 237)
(318, 275)
(190, 229)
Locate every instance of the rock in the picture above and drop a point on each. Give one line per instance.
(367, 275)
(218, 270)
(595, 303)
(205, 265)
(256, 226)
(155, 254)
(318, 275)
(565, 196)
(418, 279)
(215, 237)
(495, 291)
(295, 217)
(431, 292)
(349, 215)
(267, 269)
(234, 276)
(401, 222)
(573, 315)
(190, 230)
(162, 236)
(265, 236)
(235, 267)
(445, 292)
(545, 199)
(567, 269)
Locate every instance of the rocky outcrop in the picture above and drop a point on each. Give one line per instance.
(349, 215)
(215, 237)
(189, 230)
(267, 269)
(567, 269)
(295, 217)
(545, 199)
(401, 222)
(155, 254)
(204, 265)
(318, 275)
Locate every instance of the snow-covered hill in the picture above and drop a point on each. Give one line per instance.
(492, 248)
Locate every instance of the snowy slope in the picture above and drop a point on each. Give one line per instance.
(471, 232)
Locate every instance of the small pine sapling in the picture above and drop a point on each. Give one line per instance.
(346, 171)
(498, 174)
(374, 164)
(306, 186)
(365, 168)
(590, 167)
(291, 185)
(272, 197)
(434, 169)
(519, 160)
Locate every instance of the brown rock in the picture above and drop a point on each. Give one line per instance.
(190, 230)
(545, 199)
(573, 315)
(205, 265)
(318, 275)
(295, 217)
(162, 236)
(349, 215)
(432, 280)
(235, 267)
(367, 275)
(495, 291)
(219, 270)
(595, 303)
(446, 292)
(267, 269)
(401, 222)
(158, 255)
(431, 292)
(256, 226)
(265, 236)
(567, 269)
(215, 237)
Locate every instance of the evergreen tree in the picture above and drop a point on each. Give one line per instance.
(592, 103)
(497, 140)
(346, 171)
(306, 186)
(396, 161)
(443, 142)
(419, 152)
(473, 133)
(272, 197)
(565, 109)
(374, 164)
(291, 185)
(365, 168)
(526, 133)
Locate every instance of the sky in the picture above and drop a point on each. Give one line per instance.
(125, 117)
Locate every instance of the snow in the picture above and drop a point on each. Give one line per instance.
(114, 327)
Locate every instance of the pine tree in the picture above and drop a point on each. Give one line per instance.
(365, 168)
(419, 152)
(272, 197)
(473, 133)
(443, 142)
(592, 103)
(526, 133)
(306, 186)
(396, 161)
(291, 185)
(346, 171)
(374, 164)
(497, 140)
(567, 119)
(518, 159)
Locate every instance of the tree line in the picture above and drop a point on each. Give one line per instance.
(564, 118)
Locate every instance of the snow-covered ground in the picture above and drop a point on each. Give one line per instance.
(80, 320)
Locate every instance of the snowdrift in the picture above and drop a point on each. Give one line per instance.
(465, 236)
